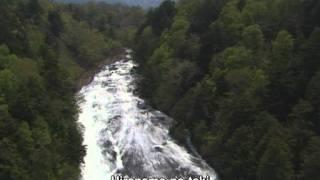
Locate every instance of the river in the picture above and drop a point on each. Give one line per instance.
(124, 136)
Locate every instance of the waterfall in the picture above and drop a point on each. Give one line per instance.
(123, 136)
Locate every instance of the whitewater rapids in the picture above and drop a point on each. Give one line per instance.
(124, 136)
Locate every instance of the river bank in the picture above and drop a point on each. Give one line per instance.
(87, 76)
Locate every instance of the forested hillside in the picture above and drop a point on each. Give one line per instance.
(242, 78)
(142, 3)
(44, 49)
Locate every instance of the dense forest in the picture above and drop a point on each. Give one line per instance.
(141, 3)
(44, 49)
(242, 78)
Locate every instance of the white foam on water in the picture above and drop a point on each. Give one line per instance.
(115, 128)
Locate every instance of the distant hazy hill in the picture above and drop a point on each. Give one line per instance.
(143, 3)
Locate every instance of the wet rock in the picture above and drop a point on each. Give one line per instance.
(113, 67)
(107, 144)
(142, 105)
(120, 171)
(111, 90)
(158, 148)
(114, 154)
(164, 143)
(117, 117)
(133, 162)
(94, 105)
(154, 120)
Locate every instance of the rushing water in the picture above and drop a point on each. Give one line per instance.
(123, 136)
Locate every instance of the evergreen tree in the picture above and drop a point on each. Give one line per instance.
(275, 163)
(311, 160)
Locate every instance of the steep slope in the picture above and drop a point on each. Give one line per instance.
(44, 49)
(241, 79)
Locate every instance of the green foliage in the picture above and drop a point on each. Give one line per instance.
(311, 155)
(243, 77)
(56, 23)
(40, 132)
(282, 46)
(8, 84)
(275, 161)
(44, 48)
(162, 58)
(254, 12)
(161, 17)
(35, 40)
(230, 17)
(5, 57)
(236, 57)
(144, 49)
(11, 161)
(108, 19)
(89, 47)
(25, 140)
(252, 38)
(176, 37)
